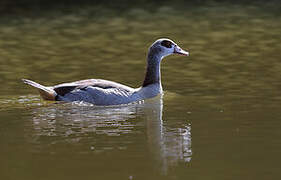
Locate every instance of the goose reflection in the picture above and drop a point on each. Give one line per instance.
(168, 146)
(82, 124)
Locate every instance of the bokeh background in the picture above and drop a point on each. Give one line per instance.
(219, 117)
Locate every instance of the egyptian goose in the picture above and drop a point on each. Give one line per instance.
(104, 92)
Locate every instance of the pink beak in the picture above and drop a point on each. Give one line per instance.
(178, 50)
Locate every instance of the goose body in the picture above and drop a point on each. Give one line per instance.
(104, 92)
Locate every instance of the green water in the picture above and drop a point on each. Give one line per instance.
(219, 117)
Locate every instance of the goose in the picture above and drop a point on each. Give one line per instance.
(104, 92)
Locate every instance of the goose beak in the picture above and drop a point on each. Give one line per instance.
(178, 50)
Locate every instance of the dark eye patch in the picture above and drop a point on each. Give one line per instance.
(167, 44)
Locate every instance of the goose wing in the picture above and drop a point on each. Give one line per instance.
(65, 88)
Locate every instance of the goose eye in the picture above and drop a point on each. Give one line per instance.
(167, 44)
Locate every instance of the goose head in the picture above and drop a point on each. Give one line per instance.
(165, 47)
(157, 51)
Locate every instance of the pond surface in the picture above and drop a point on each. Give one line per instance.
(219, 117)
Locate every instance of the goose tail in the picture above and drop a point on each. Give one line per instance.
(46, 93)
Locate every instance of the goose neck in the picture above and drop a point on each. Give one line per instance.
(153, 74)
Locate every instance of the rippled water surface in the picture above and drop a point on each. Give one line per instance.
(219, 117)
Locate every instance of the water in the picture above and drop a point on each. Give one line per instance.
(219, 117)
